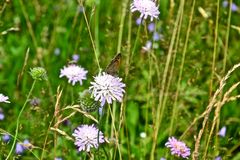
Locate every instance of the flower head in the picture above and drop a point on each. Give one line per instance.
(2, 116)
(6, 138)
(74, 73)
(87, 136)
(151, 27)
(38, 73)
(218, 158)
(156, 36)
(139, 21)
(57, 51)
(21, 147)
(222, 132)
(75, 57)
(143, 135)
(178, 148)
(225, 3)
(4, 98)
(107, 88)
(35, 102)
(146, 8)
(234, 7)
(147, 46)
(87, 103)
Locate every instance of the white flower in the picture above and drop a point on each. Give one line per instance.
(143, 135)
(74, 73)
(107, 87)
(146, 8)
(87, 136)
(4, 98)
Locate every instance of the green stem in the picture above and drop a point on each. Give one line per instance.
(120, 33)
(175, 108)
(214, 50)
(18, 120)
(90, 35)
(29, 25)
(135, 44)
(216, 142)
(161, 107)
(96, 28)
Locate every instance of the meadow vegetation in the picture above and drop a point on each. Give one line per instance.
(171, 94)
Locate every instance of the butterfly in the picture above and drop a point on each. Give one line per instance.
(114, 65)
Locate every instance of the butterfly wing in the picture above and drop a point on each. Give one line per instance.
(114, 65)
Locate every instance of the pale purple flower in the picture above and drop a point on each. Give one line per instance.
(26, 144)
(139, 21)
(6, 138)
(178, 148)
(162, 158)
(74, 73)
(75, 57)
(57, 51)
(225, 4)
(21, 147)
(222, 132)
(87, 137)
(146, 8)
(151, 27)
(234, 7)
(4, 98)
(2, 116)
(100, 111)
(218, 158)
(147, 46)
(57, 158)
(156, 36)
(107, 88)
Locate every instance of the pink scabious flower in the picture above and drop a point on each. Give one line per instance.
(74, 74)
(107, 88)
(87, 137)
(146, 8)
(178, 148)
(4, 98)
